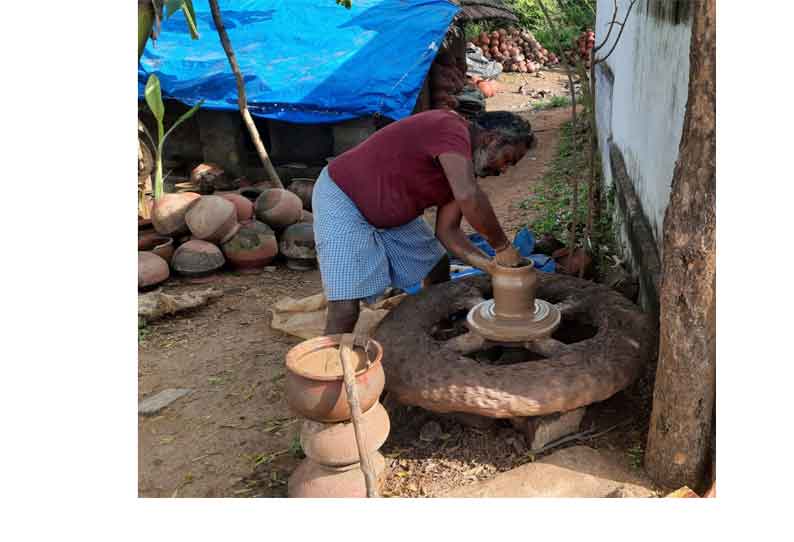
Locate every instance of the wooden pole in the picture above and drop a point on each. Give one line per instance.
(241, 98)
(348, 368)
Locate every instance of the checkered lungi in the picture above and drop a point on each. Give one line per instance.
(358, 260)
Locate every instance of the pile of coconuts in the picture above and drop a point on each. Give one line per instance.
(517, 50)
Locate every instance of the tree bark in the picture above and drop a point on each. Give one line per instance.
(679, 436)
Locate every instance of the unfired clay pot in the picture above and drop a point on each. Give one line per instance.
(303, 188)
(313, 480)
(297, 244)
(168, 213)
(252, 247)
(212, 218)
(514, 290)
(334, 444)
(244, 206)
(197, 258)
(152, 270)
(322, 397)
(278, 208)
(161, 245)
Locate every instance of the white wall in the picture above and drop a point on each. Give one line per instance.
(643, 112)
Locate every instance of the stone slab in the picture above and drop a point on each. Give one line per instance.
(157, 402)
(578, 471)
(541, 430)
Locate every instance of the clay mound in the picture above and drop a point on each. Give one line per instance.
(428, 373)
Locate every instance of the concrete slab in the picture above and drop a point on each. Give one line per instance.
(578, 471)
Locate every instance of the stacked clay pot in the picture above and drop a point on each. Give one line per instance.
(278, 208)
(446, 80)
(244, 206)
(303, 188)
(252, 248)
(169, 210)
(297, 244)
(152, 270)
(197, 259)
(213, 219)
(332, 466)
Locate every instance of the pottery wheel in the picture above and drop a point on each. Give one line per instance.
(483, 320)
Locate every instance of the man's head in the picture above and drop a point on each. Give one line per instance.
(499, 140)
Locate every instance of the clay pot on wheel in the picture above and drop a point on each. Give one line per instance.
(314, 382)
(244, 206)
(303, 188)
(297, 244)
(197, 259)
(212, 218)
(158, 244)
(252, 247)
(152, 270)
(334, 444)
(278, 208)
(168, 213)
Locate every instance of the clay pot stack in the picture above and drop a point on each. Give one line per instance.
(517, 50)
(196, 235)
(447, 78)
(315, 390)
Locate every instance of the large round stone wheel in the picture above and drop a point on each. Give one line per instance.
(602, 344)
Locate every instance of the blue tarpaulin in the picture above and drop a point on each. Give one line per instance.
(305, 61)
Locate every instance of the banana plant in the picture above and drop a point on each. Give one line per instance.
(154, 100)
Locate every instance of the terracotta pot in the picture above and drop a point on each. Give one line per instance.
(244, 206)
(212, 218)
(572, 265)
(334, 444)
(152, 270)
(313, 480)
(307, 217)
(321, 396)
(252, 247)
(159, 244)
(168, 213)
(278, 208)
(208, 177)
(197, 258)
(303, 188)
(297, 244)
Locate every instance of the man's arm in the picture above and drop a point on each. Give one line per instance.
(473, 202)
(448, 231)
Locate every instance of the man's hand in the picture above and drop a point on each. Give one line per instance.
(508, 257)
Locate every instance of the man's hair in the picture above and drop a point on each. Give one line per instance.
(511, 128)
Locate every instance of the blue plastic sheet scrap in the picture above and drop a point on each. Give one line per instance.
(303, 61)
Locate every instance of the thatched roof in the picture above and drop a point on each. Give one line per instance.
(473, 10)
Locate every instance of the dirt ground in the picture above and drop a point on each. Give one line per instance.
(234, 436)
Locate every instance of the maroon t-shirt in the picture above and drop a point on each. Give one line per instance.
(395, 175)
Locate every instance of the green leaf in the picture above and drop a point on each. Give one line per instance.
(184, 117)
(187, 9)
(154, 99)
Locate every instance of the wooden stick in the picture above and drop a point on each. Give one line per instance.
(241, 98)
(348, 369)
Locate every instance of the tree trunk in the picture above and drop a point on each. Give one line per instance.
(145, 21)
(679, 437)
